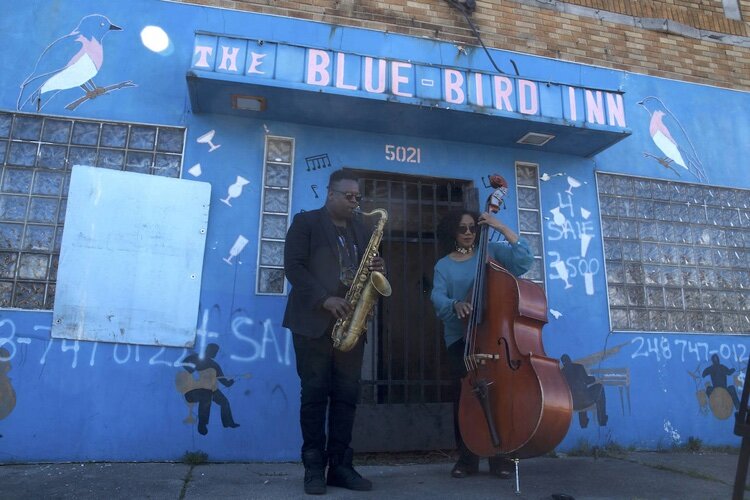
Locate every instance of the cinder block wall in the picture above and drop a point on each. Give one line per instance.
(690, 40)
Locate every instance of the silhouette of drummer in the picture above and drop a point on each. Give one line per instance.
(206, 390)
(719, 374)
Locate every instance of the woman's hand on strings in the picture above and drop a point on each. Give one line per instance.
(463, 309)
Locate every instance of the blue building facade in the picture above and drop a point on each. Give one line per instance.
(631, 190)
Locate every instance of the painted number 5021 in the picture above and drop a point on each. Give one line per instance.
(403, 154)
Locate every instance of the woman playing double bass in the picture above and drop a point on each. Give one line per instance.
(452, 282)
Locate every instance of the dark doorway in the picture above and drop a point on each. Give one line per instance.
(406, 394)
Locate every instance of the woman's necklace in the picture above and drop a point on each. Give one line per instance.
(465, 251)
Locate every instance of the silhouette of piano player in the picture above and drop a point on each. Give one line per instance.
(586, 392)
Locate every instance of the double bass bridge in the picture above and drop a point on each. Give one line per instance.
(481, 358)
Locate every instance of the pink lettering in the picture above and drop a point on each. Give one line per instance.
(317, 67)
(340, 73)
(615, 110)
(478, 84)
(204, 52)
(528, 97)
(368, 76)
(397, 79)
(594, 107)
(229, 55)
(255, 62)
(454, 80)
(572, 103)
(503, 89)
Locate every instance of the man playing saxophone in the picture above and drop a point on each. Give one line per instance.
(322, 254)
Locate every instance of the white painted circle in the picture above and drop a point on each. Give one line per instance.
(155, 38)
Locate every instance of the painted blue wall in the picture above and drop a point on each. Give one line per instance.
(91, 401)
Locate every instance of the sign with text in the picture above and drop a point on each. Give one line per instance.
(408, 81)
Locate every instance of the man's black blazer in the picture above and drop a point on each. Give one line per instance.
(311, 264)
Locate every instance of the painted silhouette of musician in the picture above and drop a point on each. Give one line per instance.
(205, 389)
(586, 392)
(7, 394)
(719, 374)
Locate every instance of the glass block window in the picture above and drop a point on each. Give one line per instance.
(530, 217)
(36, 156)
(274, 217)
(677, 255)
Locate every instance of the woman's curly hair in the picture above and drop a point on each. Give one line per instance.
(448, 227)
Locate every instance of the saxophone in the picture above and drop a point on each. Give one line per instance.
(364, 291)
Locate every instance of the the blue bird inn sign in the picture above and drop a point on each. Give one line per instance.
(312, 69)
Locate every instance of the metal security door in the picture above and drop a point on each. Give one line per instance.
(406, 393)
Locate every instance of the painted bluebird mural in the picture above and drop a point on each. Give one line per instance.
(670, 137)
(70, 61)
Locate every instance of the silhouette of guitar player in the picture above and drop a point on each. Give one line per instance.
(7, 394)
(205, 389)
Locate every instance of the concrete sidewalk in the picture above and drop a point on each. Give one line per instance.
(629, 475)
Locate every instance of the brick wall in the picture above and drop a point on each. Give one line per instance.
(702, 14)
(531, 28)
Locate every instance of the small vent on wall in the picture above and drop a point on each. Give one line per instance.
(535, 139)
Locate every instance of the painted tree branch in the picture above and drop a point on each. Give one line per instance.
(99, 91)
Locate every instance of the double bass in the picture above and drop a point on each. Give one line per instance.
(514, 400)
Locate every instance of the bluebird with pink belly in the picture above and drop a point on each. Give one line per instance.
(670, 137)
(70, 61)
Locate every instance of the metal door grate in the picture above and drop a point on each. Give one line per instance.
(405, 377)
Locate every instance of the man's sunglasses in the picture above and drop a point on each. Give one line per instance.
(463, 229)
(349, 196)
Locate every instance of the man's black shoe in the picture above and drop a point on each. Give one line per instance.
(315, 466)
(315, 482)
(341, 473)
